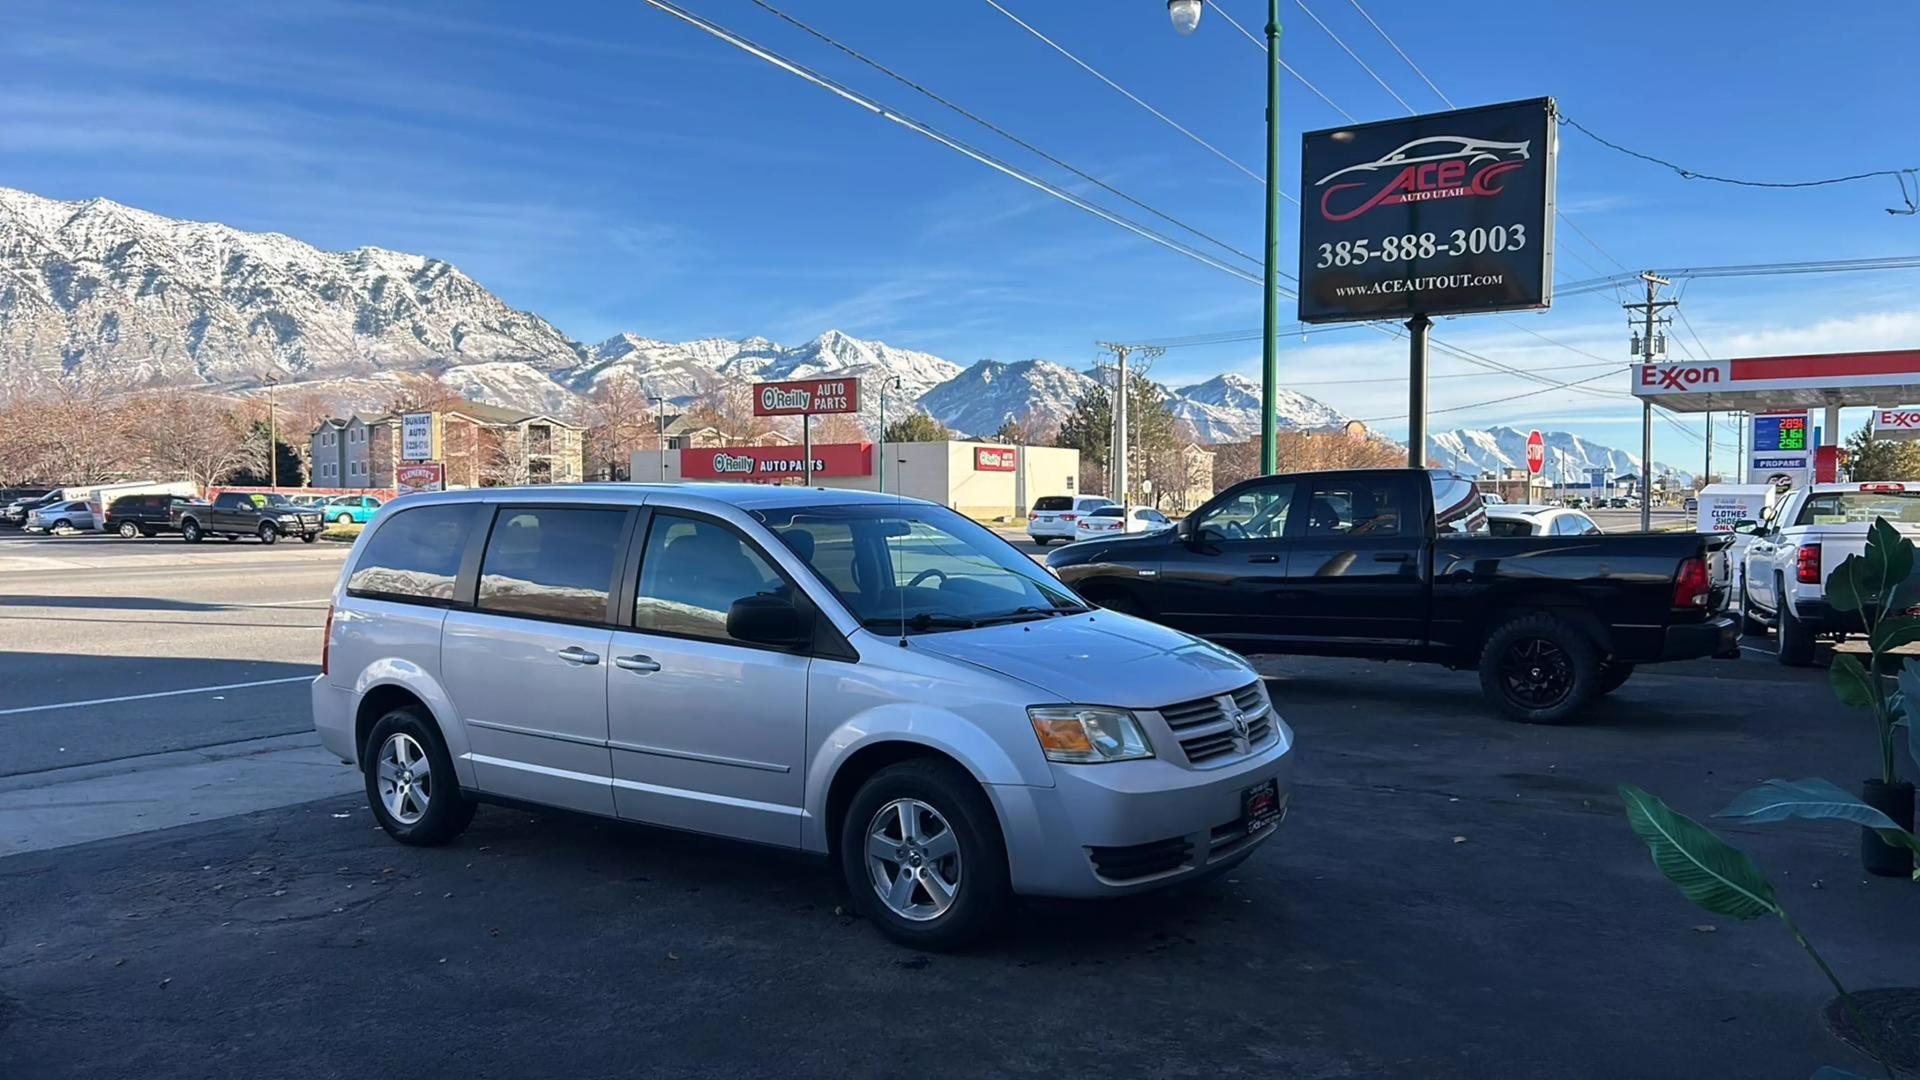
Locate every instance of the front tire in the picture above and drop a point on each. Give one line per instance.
(128, 530)
(1796, 641)
(63, 525)
(308, 538)
(269, 534)
(1539, 669)
(410, 781)
(923, 858)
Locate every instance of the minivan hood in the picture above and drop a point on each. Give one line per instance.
(1104, 658)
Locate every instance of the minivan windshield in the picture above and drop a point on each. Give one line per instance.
(912, 568)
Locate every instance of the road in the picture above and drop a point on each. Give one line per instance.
(203, 894)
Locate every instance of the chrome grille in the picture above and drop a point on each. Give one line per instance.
(1204, 731)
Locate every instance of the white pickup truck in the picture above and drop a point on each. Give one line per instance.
(1798, 543)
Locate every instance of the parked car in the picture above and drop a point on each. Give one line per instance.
(347, 509)
(1488, 498)
(1521, 520)
(1575, 502)
(15, 512)
(1690, 504)
(1053, 516)
(878, 680)
(1112, 520)
(234, 514)
(1397, 564)
(142, 515)
(1798, 542)
(310, 500)
(66, 515)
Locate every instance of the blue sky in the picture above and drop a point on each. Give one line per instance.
(614, 169)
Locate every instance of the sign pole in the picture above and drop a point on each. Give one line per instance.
(806, 447)
(1417, 328)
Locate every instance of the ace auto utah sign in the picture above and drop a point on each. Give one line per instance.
(1431, 215)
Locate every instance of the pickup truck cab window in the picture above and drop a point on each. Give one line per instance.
(1257, 512)
(1357, 506)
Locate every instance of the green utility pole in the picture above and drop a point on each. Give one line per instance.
(1270, 327)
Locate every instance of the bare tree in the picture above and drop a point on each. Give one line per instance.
(619, 423)
(192, 435)
(728, 409)
(82, 434)
(839, 428)
(420, 391)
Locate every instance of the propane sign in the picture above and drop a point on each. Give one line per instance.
(1900, 425)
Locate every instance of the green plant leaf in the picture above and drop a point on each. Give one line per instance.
(1893, 632)
(1851, 683)
(1779, 800)
(1706, 869)
(1897, 551)
(1845, 588)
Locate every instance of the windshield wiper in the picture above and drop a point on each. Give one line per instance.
(923, 621)
(1028, 612)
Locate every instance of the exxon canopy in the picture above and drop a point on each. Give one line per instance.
(1761, 383)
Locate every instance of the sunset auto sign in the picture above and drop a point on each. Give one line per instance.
(806, 397)
(1439, 214)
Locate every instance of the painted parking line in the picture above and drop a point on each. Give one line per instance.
(158, 694)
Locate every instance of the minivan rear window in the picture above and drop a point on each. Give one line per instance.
(1048, 503)
(415, 554)
(551, 562)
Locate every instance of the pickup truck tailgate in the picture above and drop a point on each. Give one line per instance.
(1839, 541)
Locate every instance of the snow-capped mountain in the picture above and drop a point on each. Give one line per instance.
(1569, 457)
(1226, 408)
(132, 299)
(137, 299)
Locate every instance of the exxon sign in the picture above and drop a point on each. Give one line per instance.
(1901, 425)
(1654, 380)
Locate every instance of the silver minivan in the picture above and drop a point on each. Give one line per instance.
(877, 680)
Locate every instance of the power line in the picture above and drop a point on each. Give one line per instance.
(1403, 55)
(886, 113)
(1498, 400)
(1212, 149)
(1900, 176)
(1887, 262)
(1004, 133)
(1411, 111)
(1288, 68)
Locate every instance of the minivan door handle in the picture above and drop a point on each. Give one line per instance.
(645, 665)
(574, 654)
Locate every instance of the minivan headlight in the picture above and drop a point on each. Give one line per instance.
(1088, 734)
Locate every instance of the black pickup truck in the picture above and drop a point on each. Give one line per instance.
(234, 514)
(1397, 564)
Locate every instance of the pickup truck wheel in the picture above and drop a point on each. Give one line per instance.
(1125, 605)
(128, 530)
(1796, 641)
(268, 534)
(410, 781)
(190, 531)
(1613, 676)
(1539, 669)
(343, 519)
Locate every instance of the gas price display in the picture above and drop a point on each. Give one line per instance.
(1780, 433)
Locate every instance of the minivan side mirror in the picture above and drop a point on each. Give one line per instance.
(768, 620)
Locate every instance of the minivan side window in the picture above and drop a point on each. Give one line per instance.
(692, 571)
(551, 562)
(415, 554)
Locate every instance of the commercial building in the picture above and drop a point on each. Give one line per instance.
(979, 479)
(480, 445)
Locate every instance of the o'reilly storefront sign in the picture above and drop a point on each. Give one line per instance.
(1431, 215)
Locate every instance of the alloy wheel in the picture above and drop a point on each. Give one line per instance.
(405, 778)
(1537, 673)
(913, 860)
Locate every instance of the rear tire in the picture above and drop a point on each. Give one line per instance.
(343, 519)
(1041, 541)
(63, 525)
(268, 534)
(190, 531)
(1796, 641)
(396, 787)
(128, 530)
(1539, 669)
(957, 850)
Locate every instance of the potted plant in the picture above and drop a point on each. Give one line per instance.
(1880, 586)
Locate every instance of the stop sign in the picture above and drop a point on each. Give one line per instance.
(1536, 452)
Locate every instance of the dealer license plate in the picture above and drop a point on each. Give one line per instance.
(1260, 804)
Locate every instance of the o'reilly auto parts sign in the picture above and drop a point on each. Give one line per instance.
(1431, 215)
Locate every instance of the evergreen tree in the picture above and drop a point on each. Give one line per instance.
(917, 427)
(1881, 459)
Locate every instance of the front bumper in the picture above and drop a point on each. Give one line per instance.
(1170, 823)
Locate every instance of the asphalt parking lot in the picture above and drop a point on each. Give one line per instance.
(1452, 895)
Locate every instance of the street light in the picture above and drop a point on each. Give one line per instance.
(1186, 17)
(661, 437)
(273, 435)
